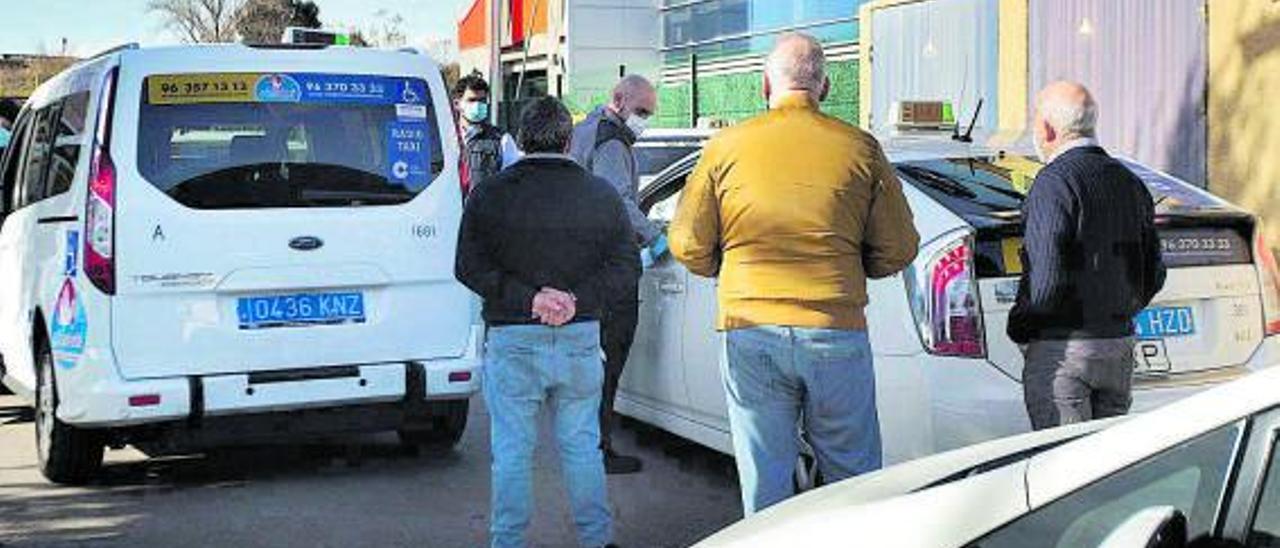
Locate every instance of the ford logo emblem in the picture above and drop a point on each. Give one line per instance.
(306, 243)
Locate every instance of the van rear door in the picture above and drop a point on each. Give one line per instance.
(274, 220)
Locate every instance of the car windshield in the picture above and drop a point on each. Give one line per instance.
(992, 188)
(982, 187)
(216, 141)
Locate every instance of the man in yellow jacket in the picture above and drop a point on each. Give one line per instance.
(793, 211)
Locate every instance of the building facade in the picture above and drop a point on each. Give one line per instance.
(712, 55)
(572, 49)
(1187, 86)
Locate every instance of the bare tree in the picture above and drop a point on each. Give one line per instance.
(198, 21)
(264, 21)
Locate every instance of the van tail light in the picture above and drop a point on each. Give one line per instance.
(1268, 280)
(100, 204)
(943, 292)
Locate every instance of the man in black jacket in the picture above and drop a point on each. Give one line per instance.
(1091, 261)
(545, 244)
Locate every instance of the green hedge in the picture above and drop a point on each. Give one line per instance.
(735, 97)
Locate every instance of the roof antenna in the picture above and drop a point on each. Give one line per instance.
(964, 91)
(968, 134)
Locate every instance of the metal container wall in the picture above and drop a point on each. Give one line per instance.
(1144, 60)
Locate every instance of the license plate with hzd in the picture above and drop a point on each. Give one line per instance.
(1163, 322)
(300, 309)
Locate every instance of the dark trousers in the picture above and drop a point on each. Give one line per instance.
(617, 332)
(1072, 381)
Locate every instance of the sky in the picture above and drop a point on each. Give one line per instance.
(38, 26)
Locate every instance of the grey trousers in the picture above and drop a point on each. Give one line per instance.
(1070, 381)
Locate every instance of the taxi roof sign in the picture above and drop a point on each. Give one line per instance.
(922, 115)
(303, 35)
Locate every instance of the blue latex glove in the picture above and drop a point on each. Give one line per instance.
(659, 246)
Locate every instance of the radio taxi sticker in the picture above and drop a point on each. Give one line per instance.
(408, 157)
(67, 334)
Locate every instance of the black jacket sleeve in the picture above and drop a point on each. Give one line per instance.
(619, 270)
(476, 265)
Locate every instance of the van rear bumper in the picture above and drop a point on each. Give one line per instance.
(110, 402)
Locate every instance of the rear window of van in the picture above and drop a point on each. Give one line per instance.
(251, 140)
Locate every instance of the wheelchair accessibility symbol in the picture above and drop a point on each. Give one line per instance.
(408, 95)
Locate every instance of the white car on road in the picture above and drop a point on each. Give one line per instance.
(217, 245)
(1204, 471)
(947, 375)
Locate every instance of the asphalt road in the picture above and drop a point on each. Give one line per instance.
(359, 491)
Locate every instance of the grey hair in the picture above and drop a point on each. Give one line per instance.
(1070, 117)
(802, 69)
(545, 126)
(630, 87)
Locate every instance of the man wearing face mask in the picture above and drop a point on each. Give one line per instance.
(488, 149)
(603, 145)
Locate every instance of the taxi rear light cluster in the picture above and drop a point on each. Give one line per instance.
(1269, 282)
(943, 293)
(100, 216)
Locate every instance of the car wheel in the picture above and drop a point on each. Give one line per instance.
(67, 454)
(444, 425)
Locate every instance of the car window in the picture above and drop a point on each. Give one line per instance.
(1265, 532)
(36, 164)
(246, 141)
(70, 135)
(1190, 477)
(662, 195)
(12, 163)
(652, 159)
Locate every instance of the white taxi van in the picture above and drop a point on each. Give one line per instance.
(226, 244)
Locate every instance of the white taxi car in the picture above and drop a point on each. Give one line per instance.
(229, 244)
(1201, 472)
(947, 375)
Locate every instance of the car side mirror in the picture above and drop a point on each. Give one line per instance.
(1155, 527)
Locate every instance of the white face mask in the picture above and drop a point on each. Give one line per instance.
(637, 125)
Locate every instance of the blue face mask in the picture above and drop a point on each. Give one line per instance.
(4, 137)
(475, 112)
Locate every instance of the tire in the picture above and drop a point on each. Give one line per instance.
(67, 455)
(445, 423)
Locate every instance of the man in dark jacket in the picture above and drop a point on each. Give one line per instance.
(1091, 261)
(487, 149)
(545, 244)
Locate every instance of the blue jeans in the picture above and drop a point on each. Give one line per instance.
(778, 378)
(525, 368)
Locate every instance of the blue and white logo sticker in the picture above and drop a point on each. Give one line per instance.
(408, 156)
(71, 256)
(70, 327)
(277, 88)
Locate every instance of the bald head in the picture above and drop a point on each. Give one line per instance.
(796, 64)
(634, 94)
(1065, 111)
